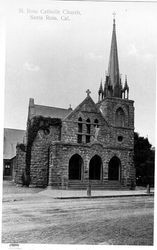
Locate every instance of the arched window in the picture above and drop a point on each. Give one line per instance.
(88, 127)
(96, 123)
(120, 118)
(80, 125)
(80, 128)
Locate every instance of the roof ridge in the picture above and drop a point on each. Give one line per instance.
(15, 129)
(49, 106)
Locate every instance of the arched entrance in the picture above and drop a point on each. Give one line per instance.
(75, 167)
(95, 168)
(114, 169)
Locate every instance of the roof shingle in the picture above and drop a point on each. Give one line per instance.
(52, 112)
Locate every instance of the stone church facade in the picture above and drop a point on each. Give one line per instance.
(94, 143)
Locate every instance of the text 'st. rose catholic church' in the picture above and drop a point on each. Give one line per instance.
(93, 143)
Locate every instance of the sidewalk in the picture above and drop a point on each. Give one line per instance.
(77, 194)
(13, 193)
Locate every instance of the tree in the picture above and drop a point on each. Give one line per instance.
(144, 160)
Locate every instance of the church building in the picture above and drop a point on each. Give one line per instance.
(94, 143)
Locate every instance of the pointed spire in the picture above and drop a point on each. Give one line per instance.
(113, 67)
(113, 86)
(100, 88)
(126, 89)
(100, 92)
(126, 83)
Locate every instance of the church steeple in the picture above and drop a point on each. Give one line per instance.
(113, 67)
(113, 86)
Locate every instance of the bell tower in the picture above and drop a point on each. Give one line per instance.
(118, 111)
(114, 94)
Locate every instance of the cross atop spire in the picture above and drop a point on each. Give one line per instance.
(88, 92)
(114, 14)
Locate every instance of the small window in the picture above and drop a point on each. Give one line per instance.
(80, 125)
(120, 138)
(7, 170)
(46, 131)
(7, 166)
(87, 138)
(88, 126)
(80, 119)
(79, 138)
(96, 123)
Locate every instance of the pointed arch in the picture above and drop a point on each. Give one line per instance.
(120, 117)
(114, 168)
(75, 167)
(88, 130)
(80, 125)
(88, 126)
(123, 109)
(95, 168)
(80, 119)
(96, 123)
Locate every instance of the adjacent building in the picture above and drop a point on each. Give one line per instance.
(11, 138)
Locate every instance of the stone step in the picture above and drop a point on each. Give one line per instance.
(97, 188)
(93, 181)
(95, 184)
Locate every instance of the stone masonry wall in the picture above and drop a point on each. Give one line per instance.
(109, 106)
(39, 170)
(70, 127)
(20, 165)
(127, 138)
(60, 154)
(39, 158)
(51, 152)
(109, 132)
(107, 136)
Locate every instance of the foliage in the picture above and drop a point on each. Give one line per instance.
(33, 126)
(25, 179)
(144, 160)
(22, 146)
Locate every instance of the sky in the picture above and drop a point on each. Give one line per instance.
(55, 51)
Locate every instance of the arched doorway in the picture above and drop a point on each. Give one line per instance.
(75, 167)
(95, 168)
(114, 169)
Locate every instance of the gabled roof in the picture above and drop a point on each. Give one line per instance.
(11, 138)
(46, 111)
(88, 100)
(52, 112)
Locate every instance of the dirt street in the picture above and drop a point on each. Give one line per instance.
(41, 219)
